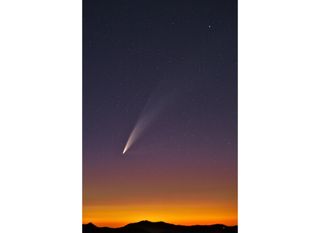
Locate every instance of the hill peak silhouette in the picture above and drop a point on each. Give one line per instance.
(146, 226)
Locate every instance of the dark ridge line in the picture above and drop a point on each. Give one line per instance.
(160, 222)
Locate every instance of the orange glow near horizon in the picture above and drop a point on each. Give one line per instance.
(193, 196)
(192, 214)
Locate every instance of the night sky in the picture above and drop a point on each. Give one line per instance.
(181, 55)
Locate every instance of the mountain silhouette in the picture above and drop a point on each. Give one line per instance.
(159, 227)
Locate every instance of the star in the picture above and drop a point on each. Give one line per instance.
(210, 27)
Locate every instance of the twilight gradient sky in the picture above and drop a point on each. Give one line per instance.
(183, 168)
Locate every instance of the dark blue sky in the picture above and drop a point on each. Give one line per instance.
(130, 49)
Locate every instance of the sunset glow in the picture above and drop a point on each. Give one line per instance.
(116, 216)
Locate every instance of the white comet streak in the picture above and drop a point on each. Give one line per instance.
(152, 109)
(142, 123)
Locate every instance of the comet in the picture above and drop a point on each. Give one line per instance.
(154, 106)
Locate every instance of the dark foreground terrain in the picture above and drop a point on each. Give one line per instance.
(159, 227)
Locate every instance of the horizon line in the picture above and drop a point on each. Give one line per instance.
(213, 224)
